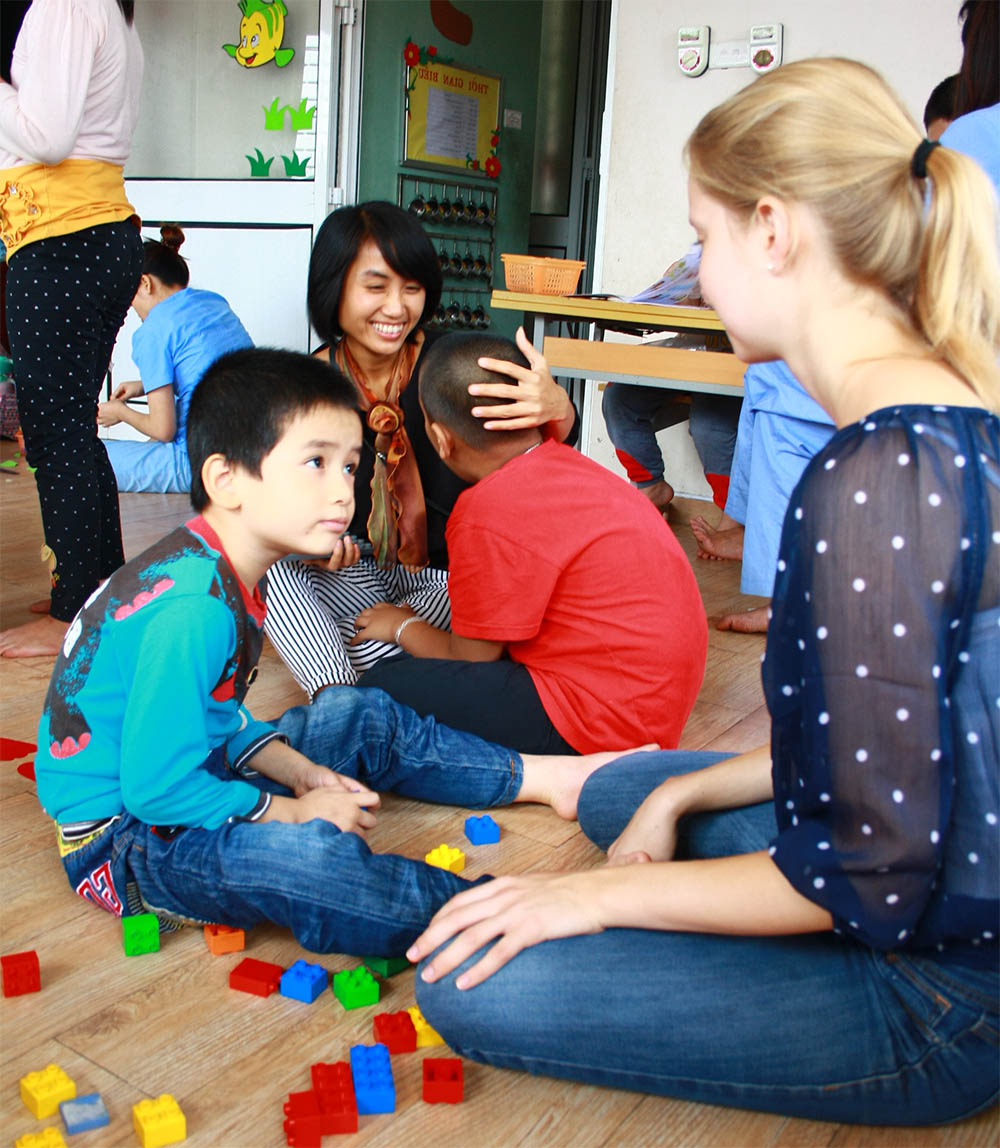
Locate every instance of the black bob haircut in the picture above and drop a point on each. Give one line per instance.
(397, 234)
(449, 366)
(245, 402)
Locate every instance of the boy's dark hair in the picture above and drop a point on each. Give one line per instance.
(449, 366)
(245, 401)
(941, 102)
(162, 257)
(397, 234)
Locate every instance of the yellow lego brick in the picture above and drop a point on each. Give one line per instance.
(47, 1138)
(43, 1090)
(426, 1036)
(158, 1122)
(445, 857)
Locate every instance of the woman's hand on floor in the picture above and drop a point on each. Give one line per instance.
(520, 911)
(537, 397)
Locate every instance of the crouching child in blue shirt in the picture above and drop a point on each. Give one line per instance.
(168, 795)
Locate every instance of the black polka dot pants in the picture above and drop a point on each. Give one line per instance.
(67, 298)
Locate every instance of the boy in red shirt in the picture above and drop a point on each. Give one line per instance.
(576, 618)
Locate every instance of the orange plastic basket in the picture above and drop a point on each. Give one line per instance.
(535, 275)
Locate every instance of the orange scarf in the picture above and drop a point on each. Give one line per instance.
(397, 525)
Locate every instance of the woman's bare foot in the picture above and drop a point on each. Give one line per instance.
(747, 621)
(723, 542)
(556, 779)
(659, 493)
(42, 606)
(38, 639)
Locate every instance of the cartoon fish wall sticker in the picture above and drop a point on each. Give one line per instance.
(261, 32)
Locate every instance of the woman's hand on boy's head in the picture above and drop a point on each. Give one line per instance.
(537, 397)
(346, 552)
(379, 623)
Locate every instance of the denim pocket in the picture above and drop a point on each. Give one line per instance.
(943, 1001)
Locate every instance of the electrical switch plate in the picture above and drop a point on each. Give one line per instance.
(692, 49)
(765, 46)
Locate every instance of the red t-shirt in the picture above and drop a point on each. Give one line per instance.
(584, 582)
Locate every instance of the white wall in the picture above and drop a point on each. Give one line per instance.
(653, 109)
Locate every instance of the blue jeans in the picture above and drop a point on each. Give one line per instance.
(325, 885)
(811, 1026)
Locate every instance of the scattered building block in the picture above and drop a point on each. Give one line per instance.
(396, 1031)
(374, 1088)
(21, 973)
(427, 1037)
(304, 982)
(443, 1081)
(140, 934)
(84, 1113)
(386, 966)
(223, 939)
(482, 830)
(11, 749)
(334, 1085)
(355, 988)
(445, 857)
(257, 977)
(158, 1122)
(47, 1138)
(42, 1091)
(303, 1125)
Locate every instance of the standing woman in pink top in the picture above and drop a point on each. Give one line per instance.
(74, 258)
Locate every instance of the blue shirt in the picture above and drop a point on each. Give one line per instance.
(180, 339)
(882, 676)
(977, 134)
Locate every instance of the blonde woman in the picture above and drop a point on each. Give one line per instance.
(809, 928)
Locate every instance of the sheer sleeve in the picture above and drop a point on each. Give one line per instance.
(881, 581)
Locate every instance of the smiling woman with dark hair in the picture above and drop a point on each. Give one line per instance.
(374, 279)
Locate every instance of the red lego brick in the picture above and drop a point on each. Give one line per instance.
(303, 1127)
(395, 1030)
(334, 1086)
(257, 977)
(21, 973)
(224, 939)
(443, 1082)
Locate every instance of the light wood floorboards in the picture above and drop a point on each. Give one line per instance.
(167, 1022)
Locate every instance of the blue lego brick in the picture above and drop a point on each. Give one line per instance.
(84, 1113)
(373, 1084)
(303, 981)
(482, 830)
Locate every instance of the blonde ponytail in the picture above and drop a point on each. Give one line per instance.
(830, 133)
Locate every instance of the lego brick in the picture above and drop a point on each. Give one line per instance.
(42, 1091)
(158, 1122)
(84, 1113)
(445, 857)
(257, 977)
(355, 988)
(386, 966)
(443, 1080)
(140, 934)
(334, 1085)
(223, 939)
(396, 1031)
(47, 1138)
(482, 830)
(427, 1037)
(374, 1088)
(304, 982)
(21, 973)
(303, 1126)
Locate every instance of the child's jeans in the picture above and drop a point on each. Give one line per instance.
(325, 885)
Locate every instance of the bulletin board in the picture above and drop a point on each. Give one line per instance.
(452, 118)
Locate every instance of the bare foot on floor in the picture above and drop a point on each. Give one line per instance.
(38, 639)
(723, 542)
(660, 494)
(42, 606)
(747, 621)
(556, 780)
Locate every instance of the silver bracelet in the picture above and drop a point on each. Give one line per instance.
(402, 626)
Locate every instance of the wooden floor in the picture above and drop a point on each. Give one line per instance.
(167, 1022)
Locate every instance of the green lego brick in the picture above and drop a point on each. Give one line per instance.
(140, 934)
(386, 966)
(355, 988)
